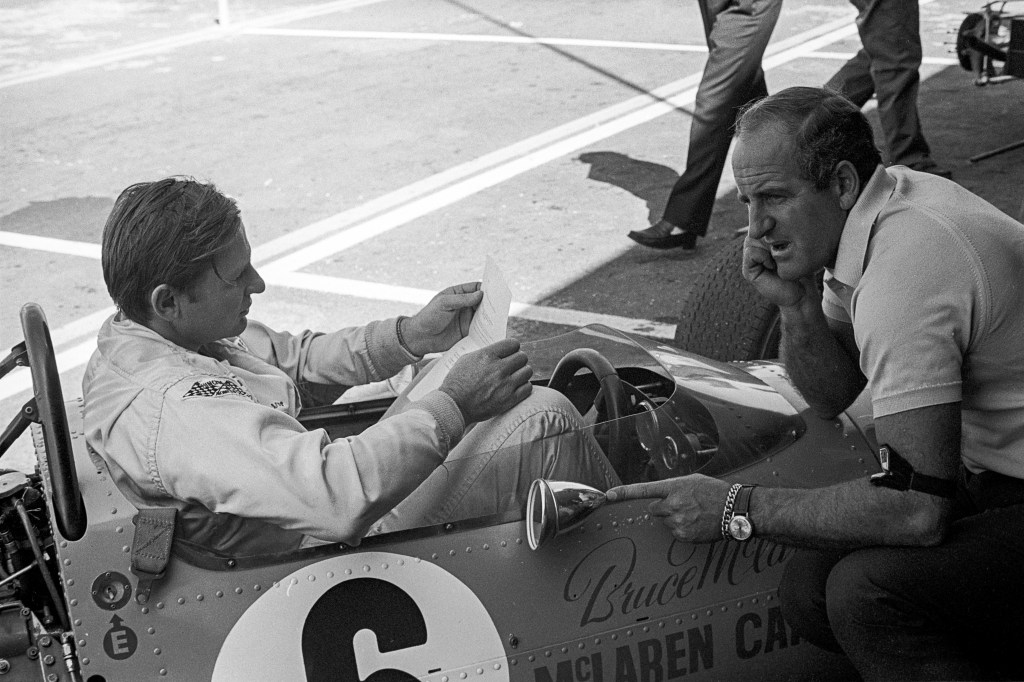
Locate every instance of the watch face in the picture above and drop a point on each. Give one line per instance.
(740, 528)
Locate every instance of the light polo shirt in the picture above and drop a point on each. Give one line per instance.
(931, 278)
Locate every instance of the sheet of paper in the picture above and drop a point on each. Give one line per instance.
(490, 324)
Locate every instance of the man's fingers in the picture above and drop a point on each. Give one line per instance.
(464, 288)
(458, 301)
(750, 243)
(522, 374)
(756, 256)
(640, 491)
(523, 392)
(514, 363)
(503, 348)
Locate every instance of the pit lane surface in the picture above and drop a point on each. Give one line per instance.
(380, 149)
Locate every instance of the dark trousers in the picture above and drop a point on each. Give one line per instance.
(952, 612)
(887, 66)
(732, 77)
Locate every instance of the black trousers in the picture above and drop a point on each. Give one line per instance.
(952, 612)
(732, 77)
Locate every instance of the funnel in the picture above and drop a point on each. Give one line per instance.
(554, 507)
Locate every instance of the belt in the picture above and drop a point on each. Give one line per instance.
(988, 490)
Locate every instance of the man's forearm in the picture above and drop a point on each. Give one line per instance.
(818, 364)
(848, 515)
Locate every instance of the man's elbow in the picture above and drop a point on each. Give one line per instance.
(831, 406)
(926, 526)
(837, 397)
(829, 401)
(827, 411)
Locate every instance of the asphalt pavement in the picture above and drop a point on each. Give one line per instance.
(380, 150)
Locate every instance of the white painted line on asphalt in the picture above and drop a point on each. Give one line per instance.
(843, 56)
(20, 380)
(80, 327)
(332, 224)
(325, 284)
(49, 244)
(400, 294)
(472, 185)
(340, 221)
(174, 42)
(792, 47)
(471, 38)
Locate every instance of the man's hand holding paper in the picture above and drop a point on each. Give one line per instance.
(488, 326)
(444, 321)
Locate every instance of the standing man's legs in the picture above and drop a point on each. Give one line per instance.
(888, 66)
(732, 77)
(854, 79)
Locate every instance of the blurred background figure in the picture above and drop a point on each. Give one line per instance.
(887, 66)
(737, 32)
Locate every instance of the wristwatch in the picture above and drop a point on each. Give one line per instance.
(741, 527)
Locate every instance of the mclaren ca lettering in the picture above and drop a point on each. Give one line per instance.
(679, 653)
(605, 584)
(648, 660)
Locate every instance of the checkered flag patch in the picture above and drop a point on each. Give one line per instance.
(214, 388)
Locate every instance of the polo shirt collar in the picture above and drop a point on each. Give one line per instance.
(853, 245)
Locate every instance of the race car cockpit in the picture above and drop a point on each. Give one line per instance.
(122, 597)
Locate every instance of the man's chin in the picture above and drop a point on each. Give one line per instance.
(243, 322)
(793, 272)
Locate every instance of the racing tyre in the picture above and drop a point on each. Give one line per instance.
(723, 318)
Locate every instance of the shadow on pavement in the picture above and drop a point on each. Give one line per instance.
(75, 218)
(648, 181)
(960, 121)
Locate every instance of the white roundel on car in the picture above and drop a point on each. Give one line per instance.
(367, 617)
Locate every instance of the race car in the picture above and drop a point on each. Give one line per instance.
(561, 588)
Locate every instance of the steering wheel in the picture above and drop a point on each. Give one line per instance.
(612, 393)
(67, 497)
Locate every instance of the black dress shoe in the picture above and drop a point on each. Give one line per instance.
(687, 241)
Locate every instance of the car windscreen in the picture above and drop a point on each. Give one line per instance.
(684, 414)
(689, 414)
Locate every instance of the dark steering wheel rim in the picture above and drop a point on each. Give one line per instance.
(69, 509)
(612, 392)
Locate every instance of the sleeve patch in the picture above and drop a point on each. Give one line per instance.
(214, 388)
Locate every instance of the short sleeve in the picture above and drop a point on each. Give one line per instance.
(914, 314)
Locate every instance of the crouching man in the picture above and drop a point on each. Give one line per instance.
(194, 406)
(913, 574)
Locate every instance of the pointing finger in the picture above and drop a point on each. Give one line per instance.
(639, 491)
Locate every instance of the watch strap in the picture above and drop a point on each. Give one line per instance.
(898, 474)
(742, 506)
